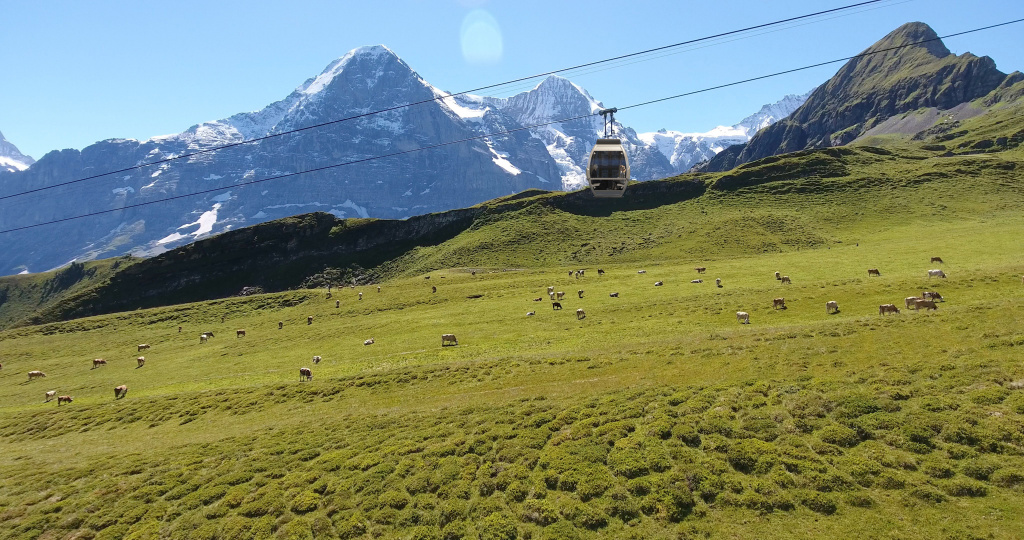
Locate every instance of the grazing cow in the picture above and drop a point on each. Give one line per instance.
(874, 272)
(556, 305)
(580, 314)
(583, 273)
(926, 304)
(578, 274)
(368, 342)
(538, 299)
(305, 374)
(600, 272)
(424, 277)
(64, 399)
(329, 296)
(743, 317)
(551, 290)
(659, 283)
(696, 281)
(337, 304)
(641, 271)
(531, 313)
(888, 308)
(570, 273)
(785, 279)
(120, 391)
(474, 272)
(551, 296)
(449, 338)
(239, 333)
(718, 282)
(378, 286)
(309, 320)
(778, 276)
(580, 293)
(908, 302)
(280, 325)
(179, 329)
(831, 307)
(361, 294)
(144, 346)
(613, 295)
(97, 362)
(50, 395)
(203, 338)
(432, 289)
(936, 273)
(141, 360)
(316, 359)
(779, 303)
(559, 295)
(700, 269)
(937, 259)
(35, 375)
(931, 295)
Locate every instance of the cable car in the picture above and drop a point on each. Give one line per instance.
(608, 167)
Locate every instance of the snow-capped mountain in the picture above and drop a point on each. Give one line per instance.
(548, 154)
(11, 159)
(684, 150)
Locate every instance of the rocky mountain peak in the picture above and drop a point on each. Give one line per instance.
(913, 32)
(11, 159)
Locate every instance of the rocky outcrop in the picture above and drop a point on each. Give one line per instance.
(873, 87)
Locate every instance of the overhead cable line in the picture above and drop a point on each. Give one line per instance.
(444, 96)
(506, 132)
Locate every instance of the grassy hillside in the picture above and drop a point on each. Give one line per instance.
(656, 416)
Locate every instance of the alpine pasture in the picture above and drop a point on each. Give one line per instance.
(657, 415)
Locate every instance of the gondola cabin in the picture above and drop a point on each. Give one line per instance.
(608, 169)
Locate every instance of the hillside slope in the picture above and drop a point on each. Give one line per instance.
(657, 415)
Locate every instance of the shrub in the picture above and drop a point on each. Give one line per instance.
(498, 526)
(989, 396)
(353, 527)
(562, 530)
(425, 533)
(839, 435)
(965, 487)
(890, 480)
(627, 462)
(296, 529)
(455, 530)
(928, 494)
(452, 510)
(822, 503)
(860, 500)
(305, 502)
(584, 515)
(937, 468)
(752, 455)
(687, 434)
(518, 490)
(540, 511)
(673, 502)
(393, 499)
(830, 481)
(1008, 477)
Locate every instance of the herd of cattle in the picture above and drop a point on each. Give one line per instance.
(927, 301)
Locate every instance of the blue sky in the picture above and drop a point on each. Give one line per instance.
(72, 73)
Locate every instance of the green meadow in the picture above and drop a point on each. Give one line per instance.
(658, 415)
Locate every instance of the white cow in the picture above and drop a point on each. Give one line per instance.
(316, 359)
(831, 306)
(368, 342)
(936, 273)
(743, 317)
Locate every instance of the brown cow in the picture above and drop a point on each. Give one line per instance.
(831, 307)
(141, 360)
(779, 303)
(926, 304)
(580, 314)
(931, 295)
(239, 333)
(937, 259)
(305, 374)
(874, 272)
(433, 289)
(97, 362)
(888, 308)
(280, 325)
(449, 338)
(785, 279)
(909, 301)
(179, 329)
(700, 269)
(64, 399)
(316, 359)
(144, 346)
(309, 320)
(120, 391)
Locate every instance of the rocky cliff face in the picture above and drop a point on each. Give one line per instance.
(869, 89)
(406, 184)
(11, 159)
